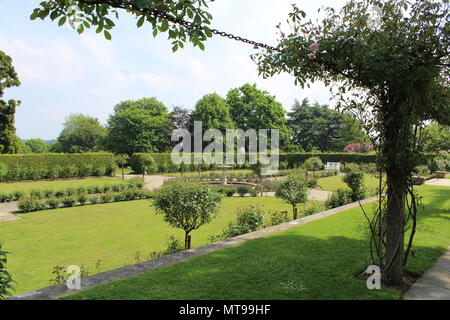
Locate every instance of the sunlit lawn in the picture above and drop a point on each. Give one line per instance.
(112, 232)
(318, 260)
(57, 184)
(333, 183)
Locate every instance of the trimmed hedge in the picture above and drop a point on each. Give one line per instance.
(17, 167)
(164, 163)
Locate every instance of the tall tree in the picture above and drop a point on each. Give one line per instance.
(139, 126)
(396, 69)
(212, 110)
(36, 145)
(319, 127)
(81, 133)
(181, 118)
(252, 108)
(9, 142)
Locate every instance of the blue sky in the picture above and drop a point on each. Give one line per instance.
(63, 73)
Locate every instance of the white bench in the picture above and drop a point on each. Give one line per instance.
(333, 166)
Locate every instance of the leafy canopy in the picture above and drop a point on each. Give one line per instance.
(139, 126)
(159, 14)
(81, 133)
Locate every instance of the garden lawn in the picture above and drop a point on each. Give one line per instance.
(333, 183)
(193, 174)
(57, 184)
(318, 260)
(112, 232)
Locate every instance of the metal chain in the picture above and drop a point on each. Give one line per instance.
(189, 25)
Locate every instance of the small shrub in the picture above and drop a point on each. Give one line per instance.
(249, 219)
(278, 217)
(47, 193)
(68, 201)
(91, 190)
(31, 204)
(119, 197)
(81, 190)
(351, 166)
(313, 164)
(93, 199)
(107, 197)
(60, 193)
(37, 194)
(17, 195)
(439, 163)
(82, 199)
(5, 197)
(421, 171)
(355, 181)
(243, 190)
(339, 198)
(230, 191)
(254, 192)
(136, 183)
(116, 187)
(70, 192)
(53, 203)
(6, 280)
(106, 188)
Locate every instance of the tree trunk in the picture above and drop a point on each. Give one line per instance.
(394, 230)
(187, 240)
(396, 152)
(123, 174)
(295, 212)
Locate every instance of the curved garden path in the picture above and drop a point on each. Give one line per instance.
(438, 182)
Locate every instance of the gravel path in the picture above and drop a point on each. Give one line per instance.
(438, 182)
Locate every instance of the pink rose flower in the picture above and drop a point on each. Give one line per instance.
(314, 47)
(311, 56)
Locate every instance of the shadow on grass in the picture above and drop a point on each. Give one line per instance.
(286, 266)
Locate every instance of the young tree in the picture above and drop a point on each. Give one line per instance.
(187, 206)
(139, 126)
(294, 191)
(395, 69)
(9, 142)
(148, 164)
(81, 133)
(355, 180)
(121, 159)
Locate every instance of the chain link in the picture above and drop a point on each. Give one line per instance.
(190, 26)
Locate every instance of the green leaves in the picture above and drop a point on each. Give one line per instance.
(107, 35)
(99, 15)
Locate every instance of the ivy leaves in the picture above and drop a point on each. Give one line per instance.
(183, 21)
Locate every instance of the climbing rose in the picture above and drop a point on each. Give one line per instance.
(314, 47)
(311, 56)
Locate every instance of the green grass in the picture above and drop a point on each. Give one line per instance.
(195, 173)
(318, 260)
(333, 183)
(111, 232)
(56, 184)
